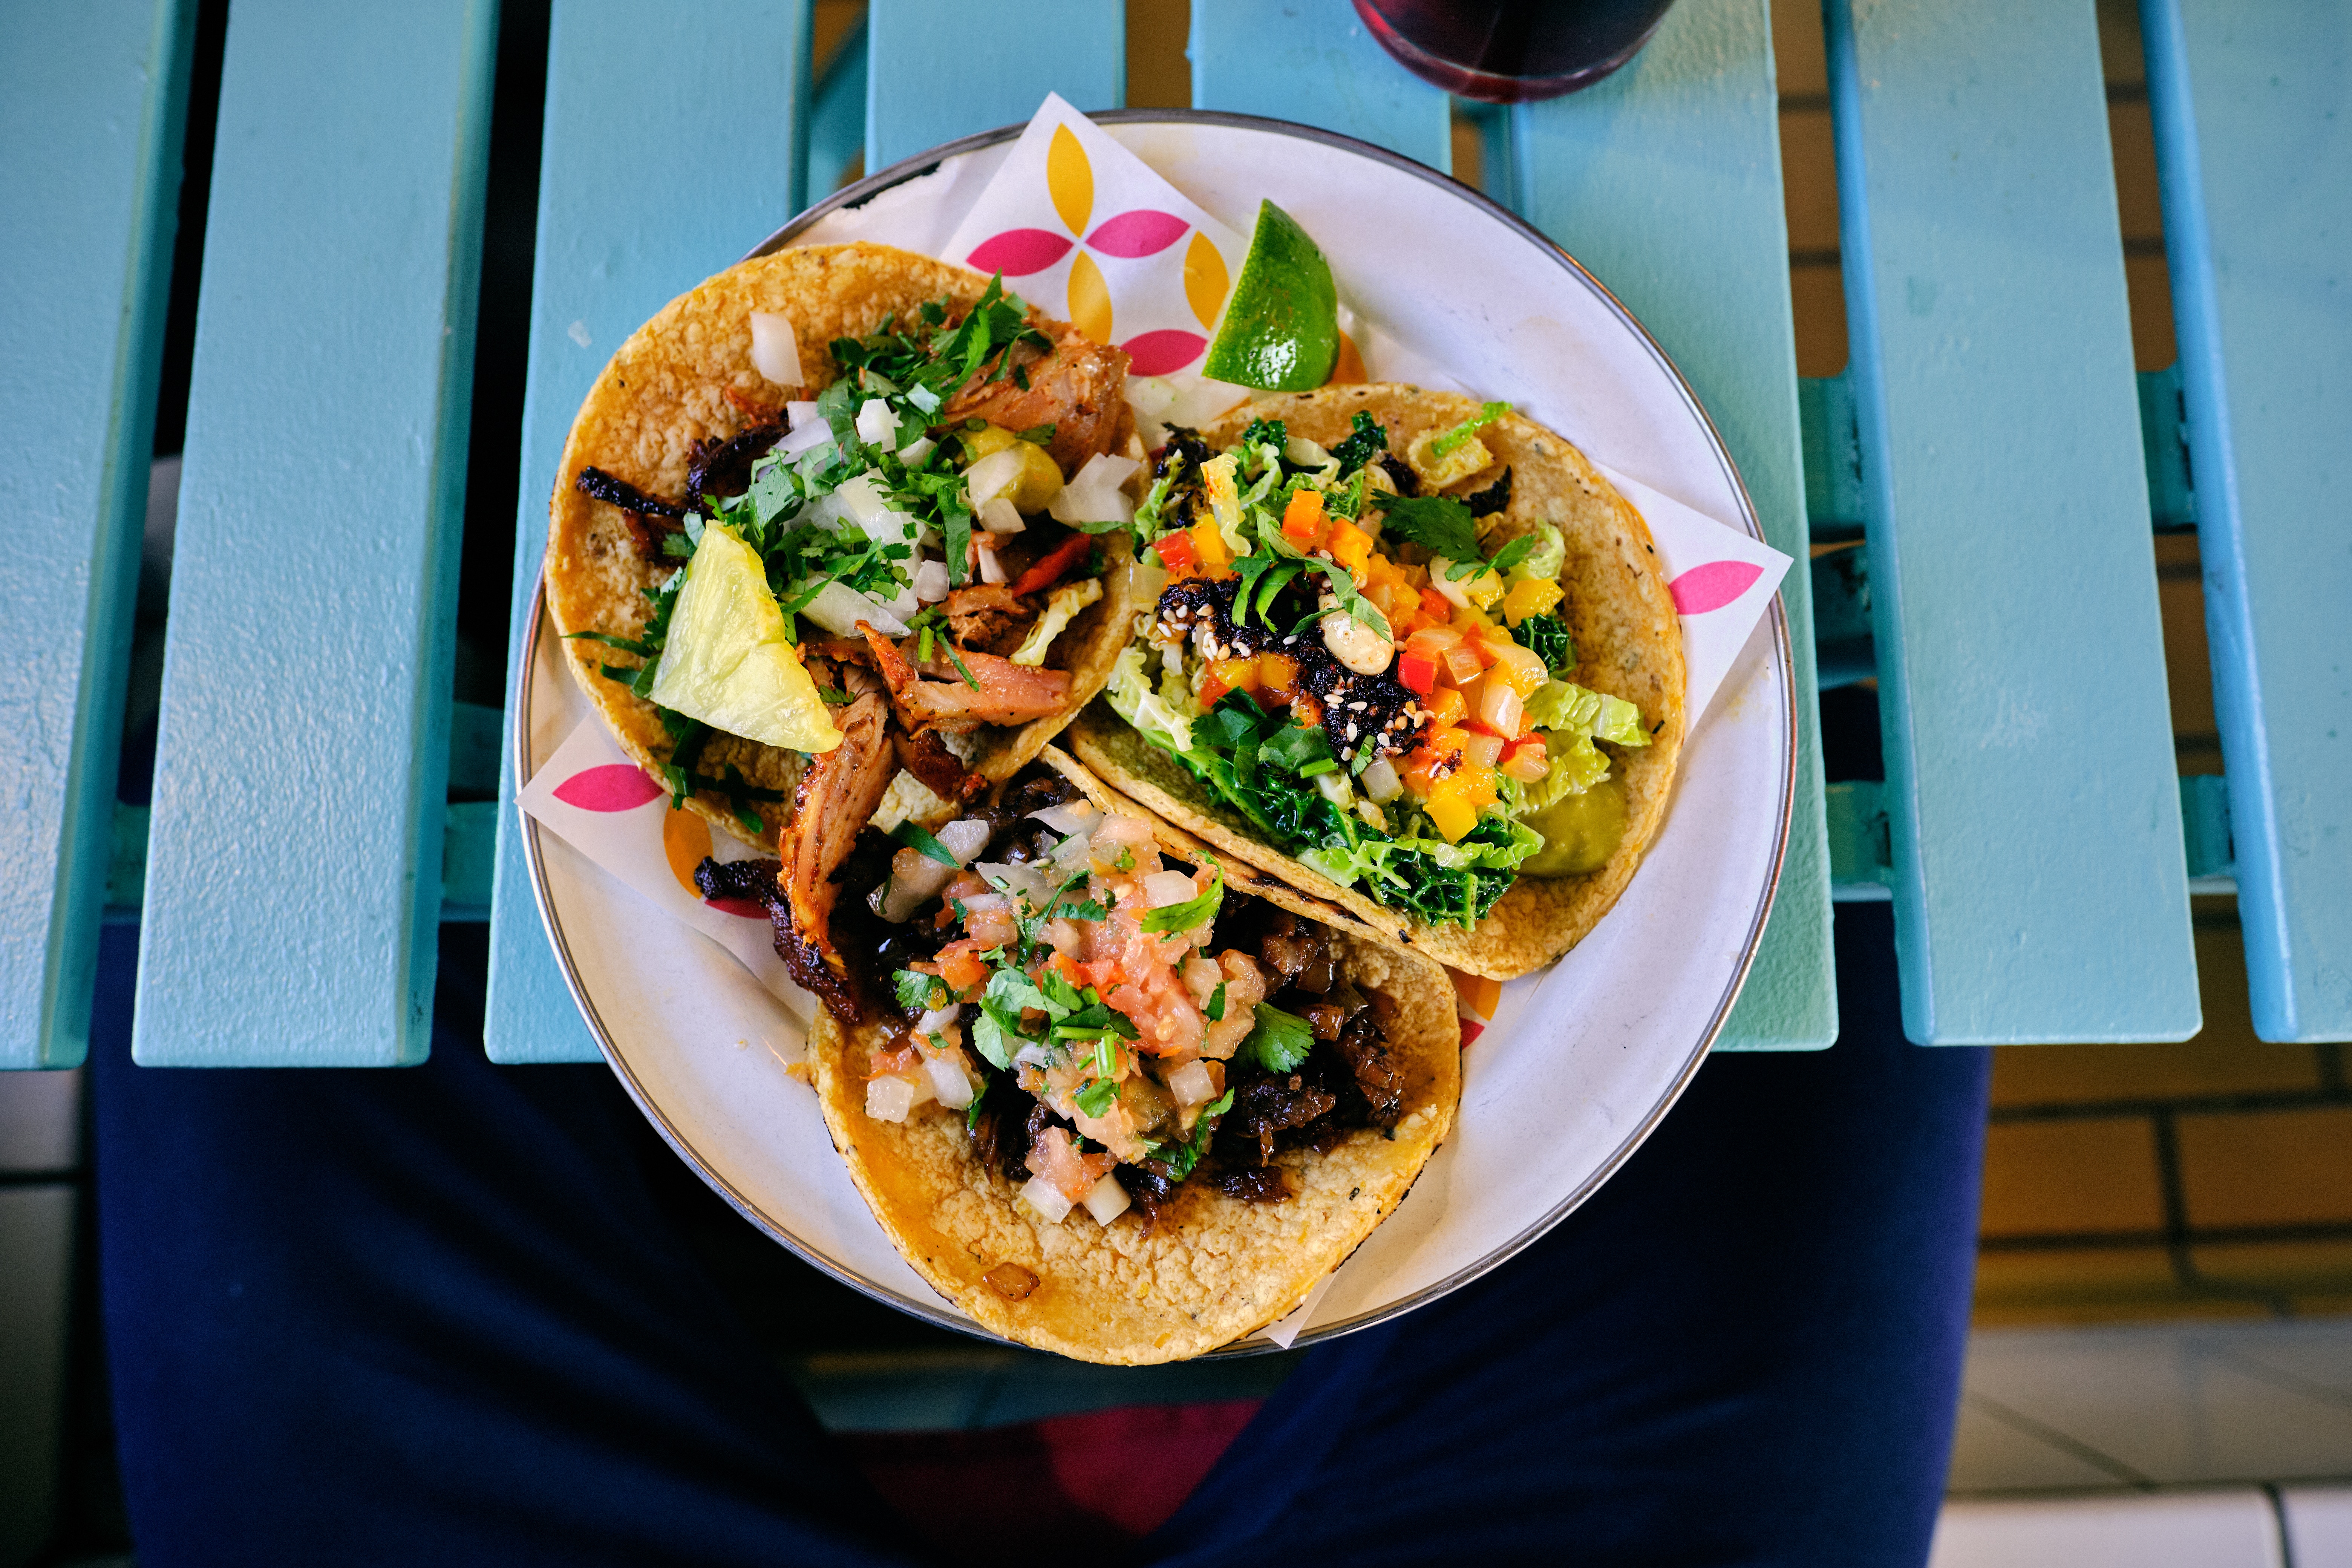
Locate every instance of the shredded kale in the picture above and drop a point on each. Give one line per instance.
(1547, 637)
(1367, 441)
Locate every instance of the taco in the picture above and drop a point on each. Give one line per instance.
(842, 437)
(1412, 653)
(1122, 1103)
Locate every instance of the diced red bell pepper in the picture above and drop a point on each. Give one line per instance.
(1056, 565)
(1212, 691)
(1419, 674)
(1176, 550)
(1436, 605)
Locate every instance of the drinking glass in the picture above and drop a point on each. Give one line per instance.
(1512, 51)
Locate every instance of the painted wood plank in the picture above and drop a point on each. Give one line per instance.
(291, 900)
(93, 100)
(641, 196)
(2040, 890)
(2252, 106)
(943, 69)
(1312, 61)
(1665, 180)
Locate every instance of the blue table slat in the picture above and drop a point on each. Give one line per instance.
(2040, 890)
(944, 68)
(93, 100)
(291, 900)
(1665, 180)
(641, 196)
(1312, 62)
(2251, 107)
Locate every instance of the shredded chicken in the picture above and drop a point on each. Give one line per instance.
(990, 617)
(926, 757)
(1000, 691)
(838, 795)
(1080, 388)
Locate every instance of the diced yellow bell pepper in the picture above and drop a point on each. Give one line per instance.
(1453, 815)
(1484, 589)
(1531, 596)
(1209, 547)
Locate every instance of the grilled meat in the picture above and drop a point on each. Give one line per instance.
(838, 794)
(991, 616)
(1080, 388)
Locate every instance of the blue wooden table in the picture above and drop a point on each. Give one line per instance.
(1990, 443)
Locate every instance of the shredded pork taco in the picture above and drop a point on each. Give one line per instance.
(1112, 1099)
(834, 472)
(1413, 653)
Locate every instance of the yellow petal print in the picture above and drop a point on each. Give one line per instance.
(1070, 179)
(1348, 368)
(685, 841)
(1204, 279)
(1089, 298)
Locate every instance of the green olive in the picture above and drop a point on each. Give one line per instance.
(1580, 832)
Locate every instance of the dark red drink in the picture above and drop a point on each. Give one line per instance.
(1509, 51)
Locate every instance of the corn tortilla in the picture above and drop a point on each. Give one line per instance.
(1628, 645)
(666, 389)
(1215, 1267)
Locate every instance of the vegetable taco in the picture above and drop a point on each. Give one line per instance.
(844, 526)
(1110, 1097)
(1413, 653)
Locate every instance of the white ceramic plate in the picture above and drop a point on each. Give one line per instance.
(1581, 1061)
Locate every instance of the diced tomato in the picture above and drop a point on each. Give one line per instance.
(1176, 551)
(1303, 521)
(962, 968)
(882, 1062)
(1418, 673)
(1213, 691)
(1062, 559)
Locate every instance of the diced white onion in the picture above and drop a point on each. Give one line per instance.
(1037, 1191)
(878, 425)
(1071, 854)
(1033, 1055)
(997, 516)
(1164, 888)
(904, 604)
(1107, 1200)
(917, 451)
(806, 439)
(860, 502)
(964, 838)
(924, 398)
(915, 880)
(1145, 577)
(1023, 879)
(939, 1020)
(998, 474)
(992, 570)
(839, 607)
(1070, 816)
(931, 582)
(1192, 1084)
(890, 1099)
(1119, 832)
(800, 415)
(948, 1081)
(776, 348)
(1380, 780)
(1334, 785)
(1093, 494)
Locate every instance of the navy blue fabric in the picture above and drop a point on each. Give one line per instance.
(432, 1316)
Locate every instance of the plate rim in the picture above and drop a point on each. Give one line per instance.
(927, 162)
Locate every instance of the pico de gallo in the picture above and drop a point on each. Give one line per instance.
(1110, 1021)
(1336, 652)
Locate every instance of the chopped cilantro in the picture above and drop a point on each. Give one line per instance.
(913, 835)
(1281, 1041)
(918, 992)
(1187, 1153)
(1215, 1010)
(1196, 911)
(1440, 524)
(1097, 1097)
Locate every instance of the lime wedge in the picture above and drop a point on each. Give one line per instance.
(1281, 332)
(728, 661)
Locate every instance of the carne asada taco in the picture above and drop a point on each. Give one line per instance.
(844, 489)
(1412, 653)
(1114, 1100)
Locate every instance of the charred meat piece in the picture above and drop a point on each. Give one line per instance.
(651, 519)
(838, 795)
(1253, 1184)
(1078, 388)
(926, 757)
(1363, 1045)
(1493, 498)
(722, 470)
(1150, 1189)
(754, 881)
(1293, 947)
(1000, 692)
(991, 618)
(1263, 1107)
(1038, 789)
